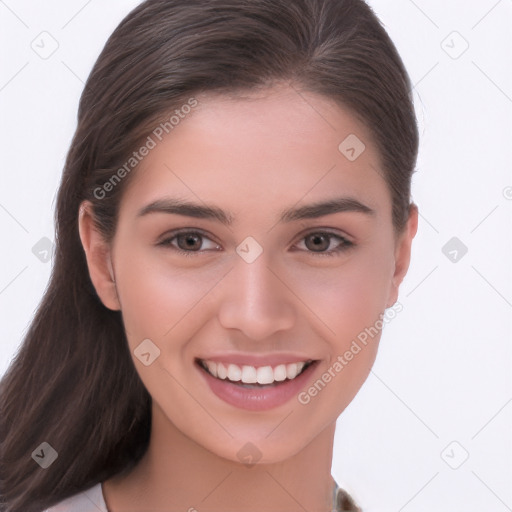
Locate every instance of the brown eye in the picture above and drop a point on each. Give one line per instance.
(318, 242)
(189, 241)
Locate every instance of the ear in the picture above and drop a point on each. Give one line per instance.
(403, 253)
(98, 255)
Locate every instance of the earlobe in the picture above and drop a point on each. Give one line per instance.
(403, 253)
(98, 256)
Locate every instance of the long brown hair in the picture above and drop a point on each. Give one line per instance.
(73, 383)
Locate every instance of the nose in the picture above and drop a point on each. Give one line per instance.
(256, 300)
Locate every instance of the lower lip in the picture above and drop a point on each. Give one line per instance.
(257, 399)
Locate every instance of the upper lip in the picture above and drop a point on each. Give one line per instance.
(257, 360)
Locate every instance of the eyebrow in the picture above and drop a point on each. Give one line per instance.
(202, 211)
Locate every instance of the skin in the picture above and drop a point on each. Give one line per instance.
(252, 156)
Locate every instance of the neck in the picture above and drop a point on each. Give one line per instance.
(178, 474)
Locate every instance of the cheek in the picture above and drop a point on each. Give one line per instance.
(349, 302)
(158, 299)
(349, 298)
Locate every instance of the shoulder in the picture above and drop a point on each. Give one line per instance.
(90, 500)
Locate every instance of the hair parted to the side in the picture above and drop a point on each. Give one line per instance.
(73, 383)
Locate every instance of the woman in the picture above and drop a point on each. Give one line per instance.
(233, 224)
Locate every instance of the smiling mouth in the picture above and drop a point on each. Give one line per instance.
(248, 376)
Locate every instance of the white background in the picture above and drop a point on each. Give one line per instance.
(443, 372)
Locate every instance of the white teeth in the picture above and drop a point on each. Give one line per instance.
(249, 374)
(222, 371)
(234, 373)
(291, 371)
(252, 375)
(280, 372)
(212, 367)
(265, 375)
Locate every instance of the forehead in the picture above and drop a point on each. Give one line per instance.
(274, 148)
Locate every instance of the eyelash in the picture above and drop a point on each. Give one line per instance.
(344, 246)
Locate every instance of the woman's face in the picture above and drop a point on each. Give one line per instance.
(260, 274)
